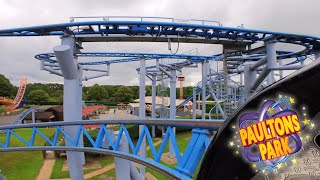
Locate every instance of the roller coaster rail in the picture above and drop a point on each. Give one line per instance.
(155, 31)
(187, 159)
(50, 57)
(144, 18)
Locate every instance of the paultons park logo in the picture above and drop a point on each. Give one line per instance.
(269, 137)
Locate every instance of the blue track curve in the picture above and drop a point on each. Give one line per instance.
(130, 57)
(152, 30)
(187, 159)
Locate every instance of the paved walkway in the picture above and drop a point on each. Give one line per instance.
(4, 120)
(118, 115)
(46, 169)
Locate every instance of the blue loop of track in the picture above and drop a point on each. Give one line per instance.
(129, 57)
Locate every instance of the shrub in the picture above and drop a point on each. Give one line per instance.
(3, 109)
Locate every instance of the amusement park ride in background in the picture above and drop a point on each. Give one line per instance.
(10, 104)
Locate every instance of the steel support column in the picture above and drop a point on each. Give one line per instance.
(122, 166)
(204, 82)
(271, 60)
(33, 116)
(225, 70)
(72, 108)
(199, 102)
(267, 71)
(154, 94)
(194, 100)
(173, 81)
(249, 77)
(142, 108)
(280, 71)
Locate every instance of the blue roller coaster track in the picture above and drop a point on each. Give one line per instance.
(155, 31)
(187, 159)
(50, 57)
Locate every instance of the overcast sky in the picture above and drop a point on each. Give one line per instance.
(17, 54)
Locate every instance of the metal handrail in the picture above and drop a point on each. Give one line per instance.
(206, 124)
(142, 18)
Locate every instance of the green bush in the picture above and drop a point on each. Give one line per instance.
(93, 133)
(3, 109)
(133, 131)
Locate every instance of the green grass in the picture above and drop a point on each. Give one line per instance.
(111, 173)
(105, 160)
(57, 172)
(22, 165)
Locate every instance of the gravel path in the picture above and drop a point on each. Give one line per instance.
(6, 119)
(46, 169)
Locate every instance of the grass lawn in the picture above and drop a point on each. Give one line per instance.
(57, 172)
(22, 165)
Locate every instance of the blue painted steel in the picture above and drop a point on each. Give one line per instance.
(50, 57)
(165, 29)
(22, 115)
(187, 162)
(198, 90)
(190, 59)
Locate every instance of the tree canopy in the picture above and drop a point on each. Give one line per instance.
(97, 93)
(52, 93)
(7, 89)
(38, 96)
(123, 94)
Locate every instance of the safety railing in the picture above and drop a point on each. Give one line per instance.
(187, 159)
(141, 18)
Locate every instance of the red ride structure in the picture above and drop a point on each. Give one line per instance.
(13, 104)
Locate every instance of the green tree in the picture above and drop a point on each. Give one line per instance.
(110, 89)
(148, 90)
(7, 89)
(123, 94)
(38, 96)
(54, 95)
(97, 93)
(37, 86)
(60, 99)
(135, 92)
